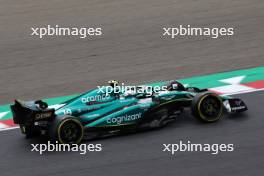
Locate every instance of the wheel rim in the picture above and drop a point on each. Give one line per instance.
(210, 108)
(70, 131)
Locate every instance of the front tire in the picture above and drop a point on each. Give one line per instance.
(207, 107)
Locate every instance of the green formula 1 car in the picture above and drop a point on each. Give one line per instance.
(109, 110)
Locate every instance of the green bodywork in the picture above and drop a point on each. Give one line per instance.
(95, 109)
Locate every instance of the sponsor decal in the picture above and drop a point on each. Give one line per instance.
(95, 98)
(238, 108)
(43, 116)
(125, 118)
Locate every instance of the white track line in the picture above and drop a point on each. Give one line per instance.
(244, 92)
(10, 128)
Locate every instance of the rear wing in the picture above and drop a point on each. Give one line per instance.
(29, 112)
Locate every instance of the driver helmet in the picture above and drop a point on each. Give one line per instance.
(113, 83)
(175, 85)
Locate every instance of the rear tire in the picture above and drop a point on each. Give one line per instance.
(207, 107)
(67, 131)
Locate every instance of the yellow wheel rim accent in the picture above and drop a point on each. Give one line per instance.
(199, 108)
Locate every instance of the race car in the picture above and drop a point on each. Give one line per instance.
(100, 112)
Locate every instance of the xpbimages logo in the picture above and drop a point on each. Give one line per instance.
(181, 30)
(148, 90)
(81, 32)
(57, 147)
(192, 147)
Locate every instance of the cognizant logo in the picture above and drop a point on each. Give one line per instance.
(125, 118)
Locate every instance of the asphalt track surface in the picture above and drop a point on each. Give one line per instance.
(131, 50)
(141, 153)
